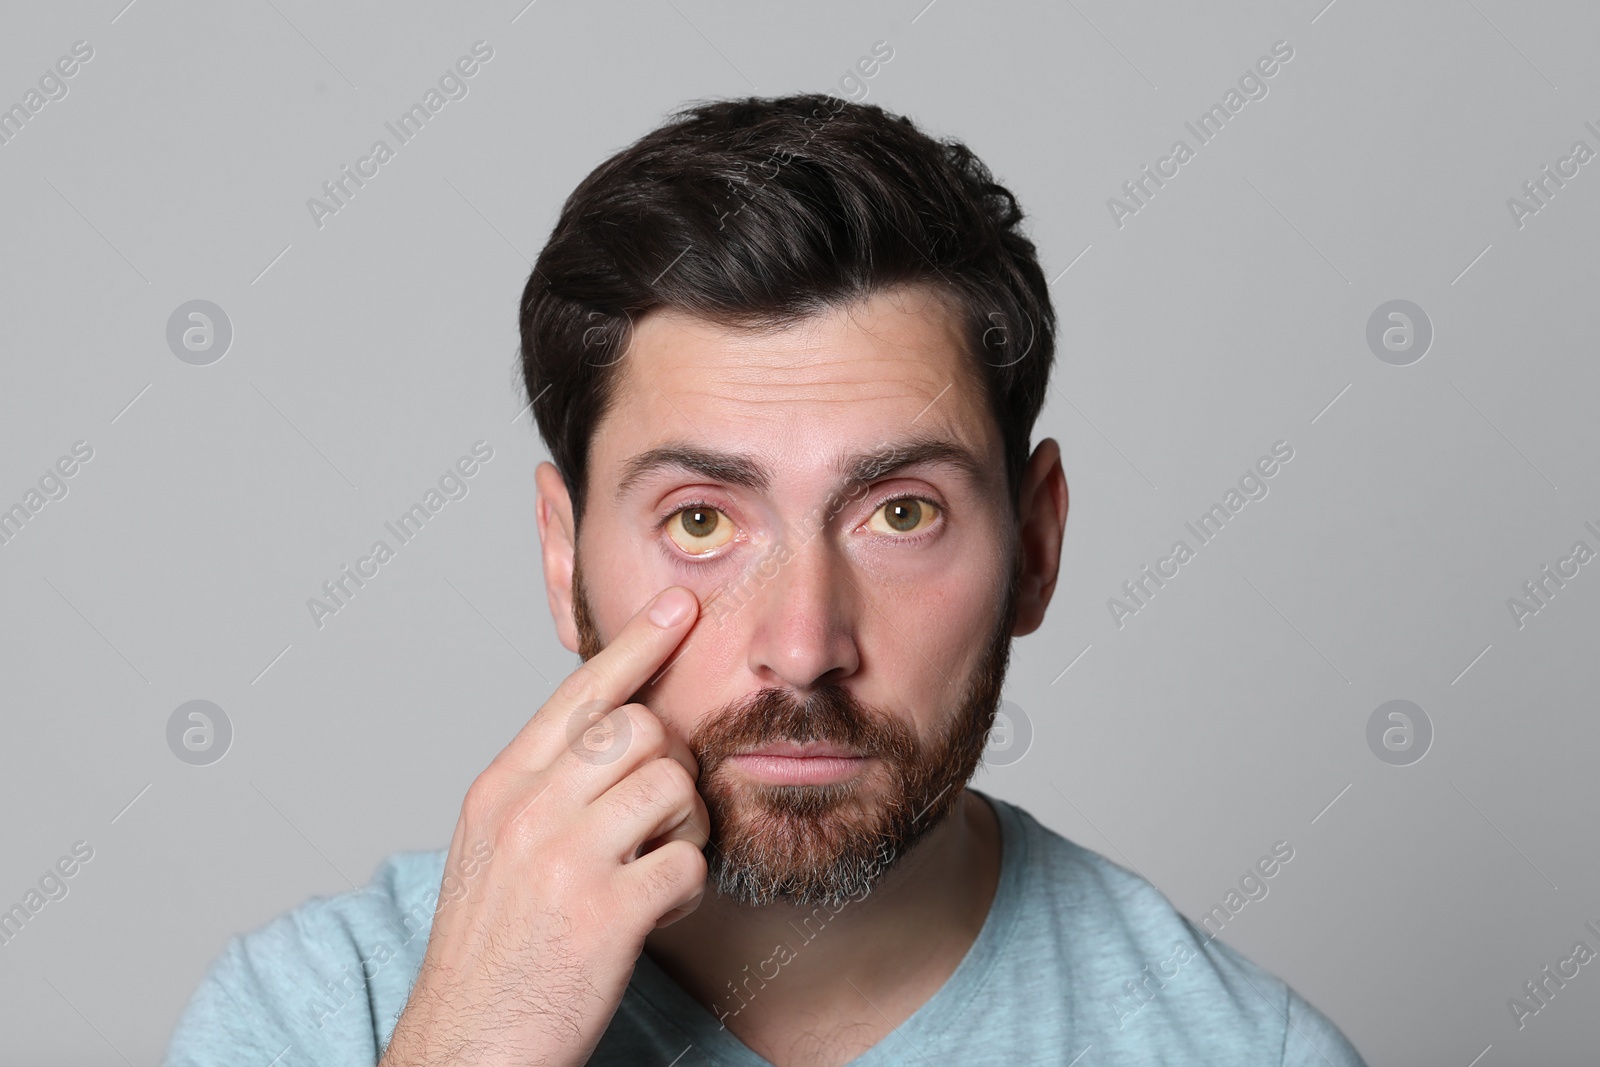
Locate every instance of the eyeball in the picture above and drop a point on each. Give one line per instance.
(698, 530)
(903, 515)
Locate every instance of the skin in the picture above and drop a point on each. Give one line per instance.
(888, 614)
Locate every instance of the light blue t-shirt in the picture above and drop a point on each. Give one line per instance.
(1078, 962)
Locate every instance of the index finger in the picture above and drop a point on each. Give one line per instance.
(616, 672)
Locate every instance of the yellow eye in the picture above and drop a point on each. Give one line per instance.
(699, 530)
(904, 515)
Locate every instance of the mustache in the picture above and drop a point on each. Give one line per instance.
(830, 713)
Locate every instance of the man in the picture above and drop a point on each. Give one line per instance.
(787, 355)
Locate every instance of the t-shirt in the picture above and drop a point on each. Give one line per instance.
(1078, 962)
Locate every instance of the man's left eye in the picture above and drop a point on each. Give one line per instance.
(698, 530)
(903, 515)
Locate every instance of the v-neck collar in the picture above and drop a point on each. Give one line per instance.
(714, 1044)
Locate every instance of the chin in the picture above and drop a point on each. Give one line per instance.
(803, 844)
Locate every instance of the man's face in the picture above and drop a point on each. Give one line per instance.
(835, 494)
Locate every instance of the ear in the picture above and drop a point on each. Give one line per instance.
(1042, 513)
(557, 545)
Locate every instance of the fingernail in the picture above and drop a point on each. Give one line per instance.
(672, 607)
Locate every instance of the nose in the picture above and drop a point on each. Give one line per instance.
(803, 617)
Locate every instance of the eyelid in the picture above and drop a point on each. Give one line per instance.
(687, 505)
(925, 497)
(680, 555)
(922, 497)
(711, 552)
(940, 514)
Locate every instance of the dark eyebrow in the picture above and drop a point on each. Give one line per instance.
(730, 468)
(723, 467)
(890, 458)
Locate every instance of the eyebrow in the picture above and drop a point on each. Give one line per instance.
(729, 468)
(724, 467)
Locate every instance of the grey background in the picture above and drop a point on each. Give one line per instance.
(1228, 314)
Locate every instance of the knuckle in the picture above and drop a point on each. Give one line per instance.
(596, 734)
(648, 730)
(483, 798)
(672, 778)
(640, 796)
(665, 876)
(683, 864)
(585, 683)
(558, 879)
(524, 821)
(651, 785)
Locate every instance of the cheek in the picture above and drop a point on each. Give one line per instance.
(926, 637)
(647, 558)
(701, 673)
(620, 576)
(940, 596)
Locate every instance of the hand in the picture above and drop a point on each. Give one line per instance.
(594, 831)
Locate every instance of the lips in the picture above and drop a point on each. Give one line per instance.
(789, 763)
(807, 750)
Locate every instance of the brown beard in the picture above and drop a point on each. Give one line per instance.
(822, 845)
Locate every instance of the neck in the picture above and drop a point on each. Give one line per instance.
(753, 967)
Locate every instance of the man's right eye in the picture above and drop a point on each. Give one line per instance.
(698, 529)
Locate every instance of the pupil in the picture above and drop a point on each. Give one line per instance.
(699, 522)
(904, 515)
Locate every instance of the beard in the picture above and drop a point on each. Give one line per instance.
(823, 845)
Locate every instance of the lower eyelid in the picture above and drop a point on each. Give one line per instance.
(691, 505)
(938, 517)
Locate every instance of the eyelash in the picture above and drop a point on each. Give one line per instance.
(916, 538)
(922, 535)
(687, 505)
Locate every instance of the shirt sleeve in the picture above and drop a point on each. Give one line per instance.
(290, 994)
(1311, 1040)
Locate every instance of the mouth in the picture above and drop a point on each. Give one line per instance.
(812, 763)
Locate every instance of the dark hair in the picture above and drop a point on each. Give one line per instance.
(759, 212)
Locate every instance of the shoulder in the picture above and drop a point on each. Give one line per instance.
(323, 982)
(1156, 985)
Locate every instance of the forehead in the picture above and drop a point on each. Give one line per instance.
(888, 367)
